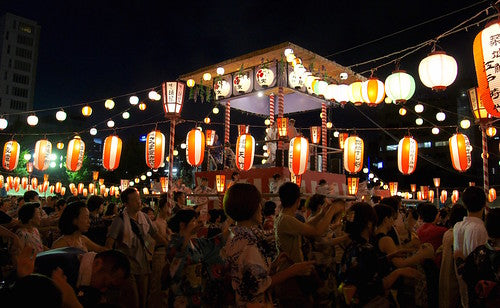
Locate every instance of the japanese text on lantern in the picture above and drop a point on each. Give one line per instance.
(171, 87)
(180, 98)
(491, 52)
(358, 153)
(241, 154)
(151, 145)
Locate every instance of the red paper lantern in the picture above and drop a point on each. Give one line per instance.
(51, 189)
(492, 194)
(164, 184)
(58, 188)
(315, 134)
(80, 188)
(85, 192)
(342, 138)
(373, 91)
(242, 129)
(220, 182)
(112, 190)
(11, 151)
(353, 154)
(41, 157)
(17, 183)
(407, 155)
(454, 196)
(195, 147)
(245, 150)
(1, 181)
(24, 182)
(10, 182)
(460, 152)
(413, 187)
(393, 188)
(298, 155)
(352, 185)
(444, 196)
(34, 182)
(74, 155)
(282, 124)
(63, 191)
(296, 179)
(91, 188)
(155, 149)
(44, 186)
(485, 50)
(210, 137)
(431, 195)
(111, 152)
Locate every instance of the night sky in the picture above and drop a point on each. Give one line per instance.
(98, 49)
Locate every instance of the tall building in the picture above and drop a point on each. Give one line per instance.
(19, 43)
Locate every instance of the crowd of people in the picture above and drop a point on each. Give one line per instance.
(288, 251)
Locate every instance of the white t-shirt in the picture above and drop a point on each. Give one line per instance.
(468, 234)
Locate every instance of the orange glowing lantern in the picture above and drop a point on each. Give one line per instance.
(87, 111)
(51, 189)
(45, 186)
(11, 151)
(431, 195)
(75, 192)
(242, 129)
(425, 191)
(24, 182)
(145, 191)
(95, 175)
(112, 190)
(220, 182)
(298, 155)
(74, 154)
(372, 91)
(460, 151)
(60, 145)
(491, 131)
(63, 191)
(393, 188)
(1, 181)
(210, 137)
(353, 154)
(352, 185)
(454, 196)
(195, 147)
(444, 196)
(407, 155)
(155, 149)
(419, 195)
(85, 192)
(80, 188)
(296, 179)
(342, 138)
(315, 134)
(10, 182)
(58, 188)
(41, 157)
(164, 184)
(142, 106)
(72, 186)
(245, 151)
(101, 181)
(111, 152)
(45, 177)
(492, 194)
(102, 189)
(17, 183)
(413, 187)
(34, 182)
(282, 124)
(91, 188)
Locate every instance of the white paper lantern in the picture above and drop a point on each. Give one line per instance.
(438, 70)
(61, 115)
(399, 86)
(32, 120)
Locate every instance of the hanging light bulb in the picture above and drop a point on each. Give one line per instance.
(61, 115)
(206, 120)
(152, 95)
(109, 104)
(3, 123)
(134, 100)
(148, 173)
(207, 76)
(93, 131)
(419, 108)
(215, 110)
(176, 152)
(440, 116)
(329, 125)
(190, 83)
(419, 121)
(220, 71)
(336, 134)
(32, 120)
(143, 177)
(183, 146)
(110, 123)
(267, 122)
(491, 131)
(435, 130)
(402, 111)
(465, 124)
(365, 170)
(86, 111)
(142, 106)
(126, 115)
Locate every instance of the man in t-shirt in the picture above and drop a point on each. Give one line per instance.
(469, 233)
(429, 232)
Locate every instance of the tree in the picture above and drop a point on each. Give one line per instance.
(82, 175)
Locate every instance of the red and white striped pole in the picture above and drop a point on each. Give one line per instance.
(171, 155)
(486, 181)
(227, 123)
(271, 108)
(324, 140)
(281, 111)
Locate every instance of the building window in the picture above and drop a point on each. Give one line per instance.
(24, 40)
(392, 147)
(441, 143)
(22, 66)
(25, 28)
(23, 53)
(19, 92)
(22, 79)
(17, 105)
(427, 144)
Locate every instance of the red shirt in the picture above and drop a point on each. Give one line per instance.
(430, 233)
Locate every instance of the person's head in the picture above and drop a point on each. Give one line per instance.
(29, 214)
(31, 196)
(95, 204)
(149, 211)
(376, 199)
(180, 197)
(214, 216)
(131, 198)
(315, 202)
(361, 217)
(111, 209)
(474, 199)
(74, 218)
(289, 194)
(35, 290)
(60, 205)
(235, 176)
(269, 208)
(109, 269)
(385, 215)
(242, 202)
(394, 202)
(493, 223)
(20, 201)
(179, 181)
(204, 181)
(276, 176)
(163, 207)
(411, 217)
(184, 222)
(429, 212)
(457, 214)
(322, 182)
(292, 122)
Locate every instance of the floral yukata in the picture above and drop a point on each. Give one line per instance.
(249, 254)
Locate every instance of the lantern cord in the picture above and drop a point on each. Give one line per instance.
(404, 30)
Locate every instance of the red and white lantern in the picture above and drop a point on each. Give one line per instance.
(242, 129)
(298, 155)
(51, 189)
(353, 154)
(407, 155)
(245, 151)
(460, 152)
(315, 134)
(34, 182)
(91, 188)
(492, 194)
(63, 191)
(195, 147)
(393, 188)
(352, 185)
(111, 152)
(155, 149)
(372, 91)
(24, 182)
(431, 196)
(80, 188)
(75, 153)
(454, 196)
(41, 157)
(58, 188)
(342, 138)
(210, 137)
(11, 152)
(444, 196)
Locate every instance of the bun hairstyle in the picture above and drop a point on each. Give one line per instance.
(358, 217)
(184, 216)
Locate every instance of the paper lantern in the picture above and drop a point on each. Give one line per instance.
(145, 191)
(492, 194)
(437, 182)
(87, 111)
(10, 182)
(454, 196)
(34, 182)
(16, 183)
(142, 106)
(413, 187)
(298, 155)
(1, 181)
(58, 187)
(11, 151)
(102, 189)
(315, 134)
(476, 98)
(60, 145)
(341, 94)
(101, 181)
(51, 189)
(353, 154)
(444, 196)
(265, 77)
(295, 80)
(41, 158)
(393, 188)
(355, 95)
(111, 152)
(85, 192)
(342, 138)
(190, 83)
(282, 124)
(245, 151)
(195, 147)
(352, 185)
(63, 191)
(491, 131)
(485, 48)
(112, 190)
(242, 83)
(44, 186)
(296, 179)
(399, 87)
(222, 88)
(74, 154)
(24, 182)
(91, 188)
(438, 70)
(431, 196)
(74, 192)
(155, 149)
(407, 155)
(372, 91)
(80, 188)
(164, 184)
(210, 137)
(173, 98)
(330, 91)
(460, 152)
(220, 182)
(425, 191)
(242, 129)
